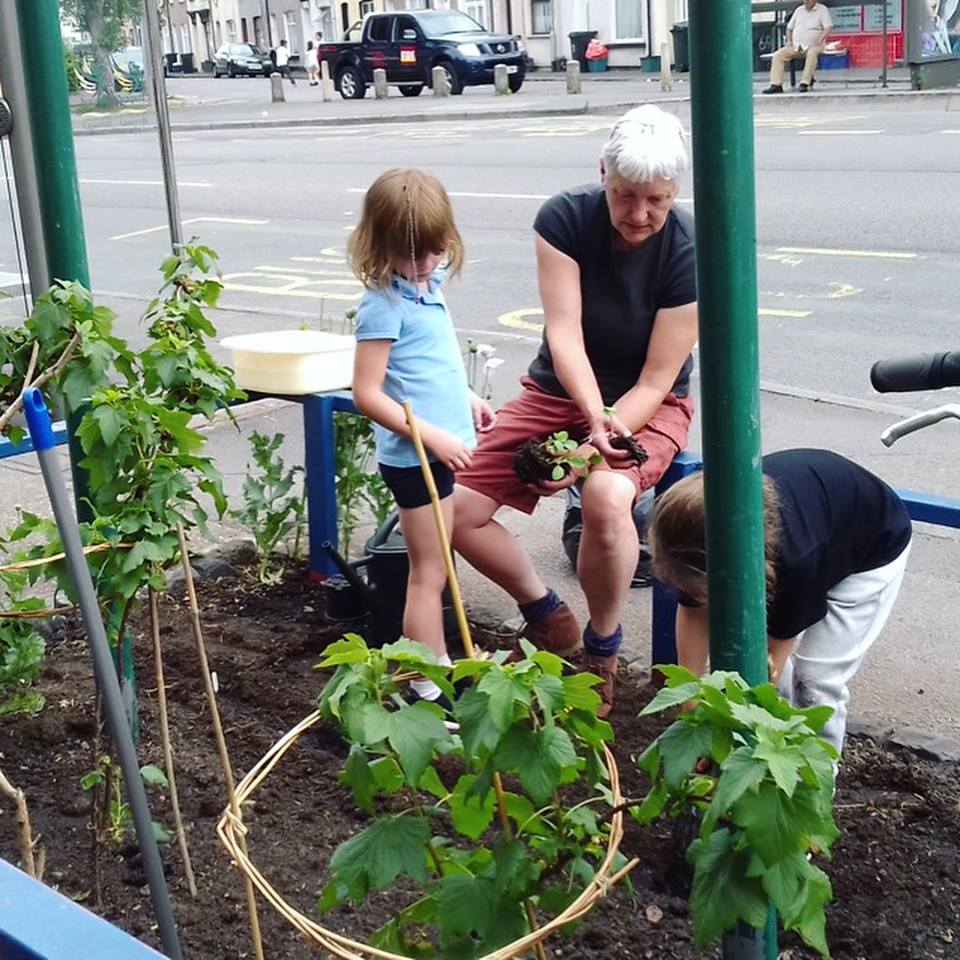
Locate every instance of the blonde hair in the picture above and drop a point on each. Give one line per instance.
(677, 538)
(406, 213)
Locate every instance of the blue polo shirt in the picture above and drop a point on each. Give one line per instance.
(425, 366)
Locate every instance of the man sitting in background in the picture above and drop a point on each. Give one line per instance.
(807, 33)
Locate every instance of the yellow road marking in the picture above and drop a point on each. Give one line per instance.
(832, 252)
(836, 133)
(843, 290)
(516, 319)
(788, 314)
(300, 271)
(784, 259)
(288, 286)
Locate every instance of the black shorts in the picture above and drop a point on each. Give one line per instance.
(409, 488)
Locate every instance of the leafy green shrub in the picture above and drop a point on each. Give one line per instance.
(272, 506)
(431, 794)
(764, 804)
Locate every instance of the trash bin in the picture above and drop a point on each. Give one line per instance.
(578, 45)
(681, 46)
(187, 60)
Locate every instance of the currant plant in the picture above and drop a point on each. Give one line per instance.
(753, 771)
(431, 792)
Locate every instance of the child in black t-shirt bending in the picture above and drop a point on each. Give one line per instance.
(837, 540)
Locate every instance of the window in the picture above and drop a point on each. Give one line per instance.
(379, 29)
(366, 6)
(406, 23)
(291, 32)
(478, 10)
(231, 30)
(541, 16)
(629, 16)
(680, 12)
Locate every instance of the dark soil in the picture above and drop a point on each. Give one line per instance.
(630, 444)
(895, 876)
(534, 463)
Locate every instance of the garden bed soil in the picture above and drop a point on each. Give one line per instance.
(895, 877)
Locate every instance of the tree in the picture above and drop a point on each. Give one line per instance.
(104, 20)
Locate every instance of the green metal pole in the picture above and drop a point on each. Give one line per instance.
(61, 219)
(721, 83)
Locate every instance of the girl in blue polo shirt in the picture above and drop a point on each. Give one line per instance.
(404, 245)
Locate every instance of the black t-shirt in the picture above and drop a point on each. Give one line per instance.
(621, 290)
(836, 519)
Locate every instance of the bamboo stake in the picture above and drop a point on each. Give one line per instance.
(218, 732)
(168, 747)
(40, 561)
(462, 623)
(33, 866)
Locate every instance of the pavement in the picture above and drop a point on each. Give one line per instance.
(203, 103)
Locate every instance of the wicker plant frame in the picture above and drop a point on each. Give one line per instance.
(231, 832)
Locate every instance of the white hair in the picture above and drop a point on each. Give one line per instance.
(646, 143)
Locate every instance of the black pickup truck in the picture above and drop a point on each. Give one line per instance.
(409, 45)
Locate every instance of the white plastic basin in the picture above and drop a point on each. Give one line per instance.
(292, 361)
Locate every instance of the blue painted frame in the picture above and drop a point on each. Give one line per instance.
(41, 924)
(8, 449)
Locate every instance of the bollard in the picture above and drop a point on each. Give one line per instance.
(666, 73)
(501, 84)
(380, 83)
(276, 88)
(441, 82)
(573, 76)
(326, 85)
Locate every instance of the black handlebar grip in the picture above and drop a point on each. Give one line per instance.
(929, 371)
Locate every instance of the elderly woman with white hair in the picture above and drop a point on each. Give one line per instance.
(615, 263)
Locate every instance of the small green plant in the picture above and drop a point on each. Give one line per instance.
(273, 507)
(358, 486)
(432, 796)
(115, 818)
(538, 461)
(754, 772)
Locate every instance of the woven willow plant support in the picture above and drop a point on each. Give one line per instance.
(232, 832)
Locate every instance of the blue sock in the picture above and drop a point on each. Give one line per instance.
(536, 609)
(601, 646)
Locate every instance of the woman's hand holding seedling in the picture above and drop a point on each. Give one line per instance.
(450, 450)
(604, 427)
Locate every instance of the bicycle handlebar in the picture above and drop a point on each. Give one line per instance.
(929, 371)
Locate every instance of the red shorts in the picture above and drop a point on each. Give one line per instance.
(536, 413)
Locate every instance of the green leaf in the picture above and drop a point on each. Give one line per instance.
(558, 472)
(160, 832)
(504, 690)
(722, 892)
(579, 693)
(431, 782)
(415, 732)
(739, 772)
(351, 649)
(478, 731)
(783, 761)
(681, 746)
(471, 814)
(153, 776)
(357, 775)
(674, 674)
(387, 775)
(538, 758)
(670, 697)
(653, 803)
(375, 857)
(809, 919)
(774, 824)
(549, 693)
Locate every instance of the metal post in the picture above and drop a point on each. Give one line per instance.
(12, 70)
(266, 16)
(56, 167)
(724, 192)
(158, 88)
(886, 28)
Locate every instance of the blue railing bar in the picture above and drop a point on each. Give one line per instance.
(8, 449)
(927, 508)
(41, 924)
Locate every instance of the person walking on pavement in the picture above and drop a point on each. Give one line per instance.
(283, 62)
(836, 545)
(807, 33)
(312, 64)
(615, 263)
